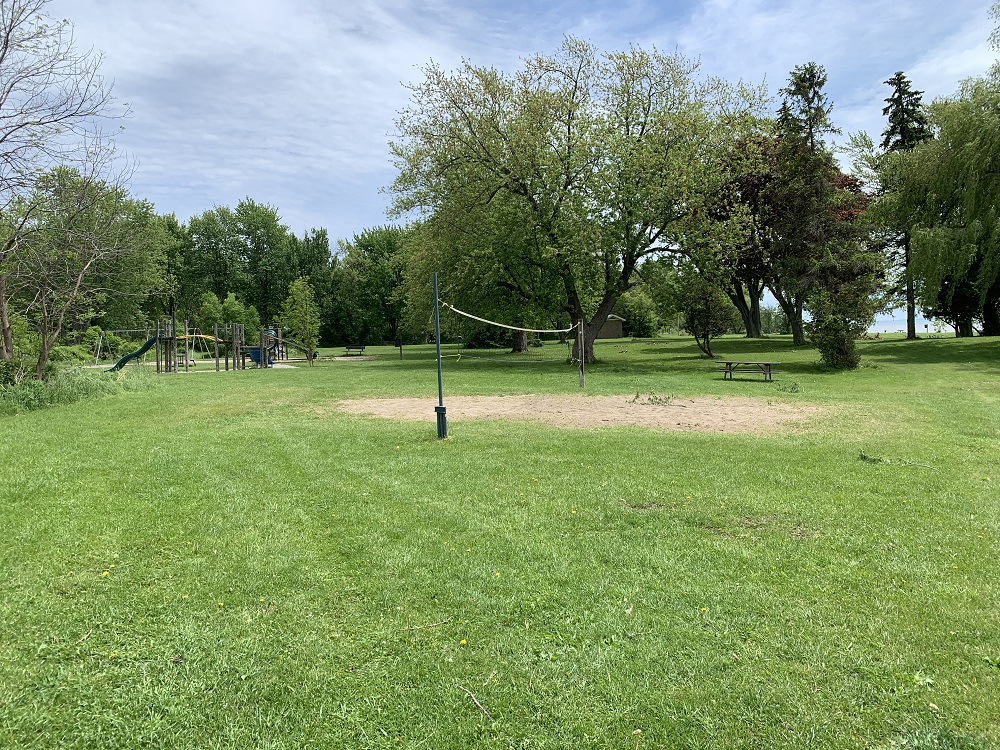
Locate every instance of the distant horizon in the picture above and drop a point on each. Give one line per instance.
(894, 323)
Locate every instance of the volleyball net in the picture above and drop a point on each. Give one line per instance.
(517, 329)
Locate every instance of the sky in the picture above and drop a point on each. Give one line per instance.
(292, 102)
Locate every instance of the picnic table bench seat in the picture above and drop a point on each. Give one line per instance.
(767, 369)
(355, 349)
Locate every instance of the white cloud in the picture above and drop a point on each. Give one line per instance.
(292, 102)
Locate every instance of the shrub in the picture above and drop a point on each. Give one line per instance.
(708, 312)
(835, 325)
(66, 387)
(639, 312)
(74, 355)
(12, 372)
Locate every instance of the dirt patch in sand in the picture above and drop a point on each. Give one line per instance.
(730, 415)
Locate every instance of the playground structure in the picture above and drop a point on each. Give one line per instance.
(176, 347)
(274, 339)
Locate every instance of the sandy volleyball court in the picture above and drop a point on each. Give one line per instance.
(727, 415)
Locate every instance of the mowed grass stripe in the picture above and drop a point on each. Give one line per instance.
(708, 590)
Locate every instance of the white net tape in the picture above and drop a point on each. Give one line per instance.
(504, 325)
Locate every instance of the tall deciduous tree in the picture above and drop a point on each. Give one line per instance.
(371, 276)
(706, 309)
(301, 314)
(265, 249)
(602, 155)
(82, 232)
(945, 192)
(490, 266)
(246, 250)
(730, 240)
(822, 259)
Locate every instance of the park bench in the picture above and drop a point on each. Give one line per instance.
(767, 369)
(354, 349)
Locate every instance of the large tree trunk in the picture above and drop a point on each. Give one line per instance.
(963, 327)
(47, 342)
(991, 311)
(798, 329)
(911, 311)
(792, 308)
(6, 335)
(589, 335)
(592, 327)
(748, 304)
(911, 299)
(520, 343)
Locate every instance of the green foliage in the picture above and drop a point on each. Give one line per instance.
(944, 193)
(301, 314)
(368, 286)
(662, 282)
(234, 311)
(12, 371)
(708, 312)
(211, 313)
(73, 354)
(545, 190)
(88, 245)
(112, 346)
(247, 251)
(773, 320)
(834, 334)
(91, 338)
(25, 339)
(804, 117)
(476, 335)
(639, 311)
(64, 386)
(908, 124)
(802, 193)
(731, 239)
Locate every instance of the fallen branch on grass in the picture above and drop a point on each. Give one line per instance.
(85, 637)
(880, 460)
(422, 627)
(480, 705)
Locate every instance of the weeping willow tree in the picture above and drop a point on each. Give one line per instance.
(946, 190)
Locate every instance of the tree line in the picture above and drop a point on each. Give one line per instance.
(586, 181)
(580, 185)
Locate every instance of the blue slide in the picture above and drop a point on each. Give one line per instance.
(132, 355)
(254, 352)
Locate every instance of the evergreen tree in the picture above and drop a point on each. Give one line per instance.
(822, 260)
(908, 127)
(801, 194)
(908, 124)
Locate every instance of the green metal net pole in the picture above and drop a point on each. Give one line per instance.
(442, 419)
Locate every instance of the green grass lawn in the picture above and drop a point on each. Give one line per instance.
(225, 562)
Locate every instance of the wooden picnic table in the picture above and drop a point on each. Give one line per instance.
(729, 366)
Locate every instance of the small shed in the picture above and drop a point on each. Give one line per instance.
(612, 328)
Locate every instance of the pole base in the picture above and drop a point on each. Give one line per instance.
(442, 421)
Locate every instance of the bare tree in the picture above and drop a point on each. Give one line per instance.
(52, 101)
